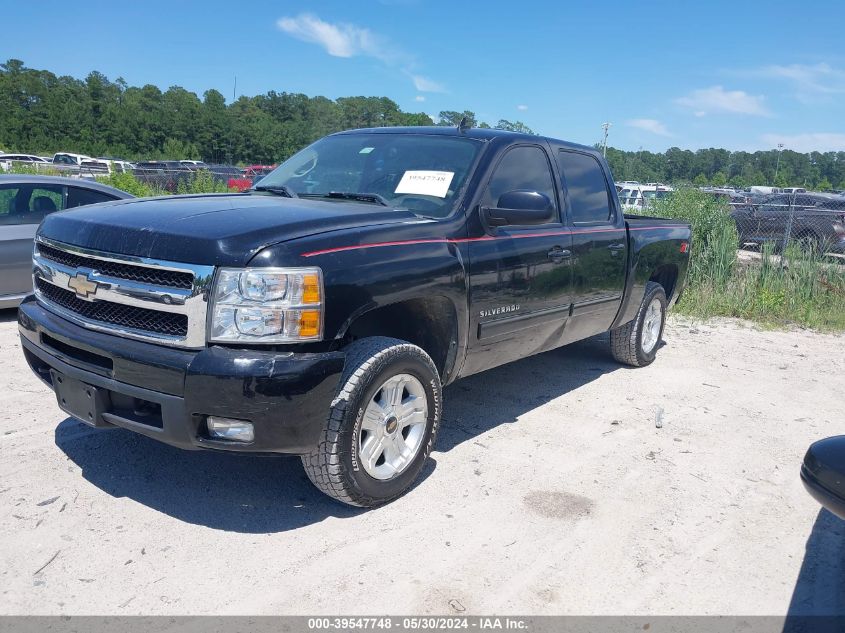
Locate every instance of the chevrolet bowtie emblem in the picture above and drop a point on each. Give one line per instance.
(82, 286)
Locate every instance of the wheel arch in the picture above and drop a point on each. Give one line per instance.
(667, 276)
(430, 323)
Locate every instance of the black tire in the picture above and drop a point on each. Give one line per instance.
(333, 465)
(626, 342)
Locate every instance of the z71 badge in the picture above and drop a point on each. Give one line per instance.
(500, 310)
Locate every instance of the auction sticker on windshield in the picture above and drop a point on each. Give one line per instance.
(426, 183)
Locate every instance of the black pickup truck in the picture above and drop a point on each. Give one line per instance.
(322, 312)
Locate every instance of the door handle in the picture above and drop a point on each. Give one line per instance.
(558, 254)
(615, 248)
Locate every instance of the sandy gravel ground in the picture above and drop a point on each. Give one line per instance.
(552, 491)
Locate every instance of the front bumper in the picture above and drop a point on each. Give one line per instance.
(820, 493)
(166, 393)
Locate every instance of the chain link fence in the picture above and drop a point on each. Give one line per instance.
(813, 221)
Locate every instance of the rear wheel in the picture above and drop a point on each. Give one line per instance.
(636, 342)
(382, 425)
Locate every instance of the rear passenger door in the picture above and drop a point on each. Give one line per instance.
(772, 217)
(599, 244)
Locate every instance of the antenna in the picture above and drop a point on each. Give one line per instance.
(464, 125)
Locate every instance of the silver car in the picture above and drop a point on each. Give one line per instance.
(24, 201)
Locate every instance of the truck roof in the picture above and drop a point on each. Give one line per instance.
(481, 134)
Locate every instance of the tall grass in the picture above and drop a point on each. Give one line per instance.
(130, 184)
(24, 168)
(198, 182)
(798, 286)
(201, 182)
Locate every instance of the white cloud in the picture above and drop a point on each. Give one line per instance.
(339, 40)
(649, 125)
(718, 100)
(522, 107)
(349, 40)
(419, 98)
(810, 142)
(820, 78)
(424, 84)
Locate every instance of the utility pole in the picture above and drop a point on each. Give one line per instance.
(777, 165)
(605, 127)
(235, 89)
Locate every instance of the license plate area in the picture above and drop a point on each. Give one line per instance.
(84, 402)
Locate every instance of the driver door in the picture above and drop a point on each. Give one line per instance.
(520, 276)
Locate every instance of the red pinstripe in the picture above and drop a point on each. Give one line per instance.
(460, 240)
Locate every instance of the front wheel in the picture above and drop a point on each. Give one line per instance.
(636, 343)
(381, 426)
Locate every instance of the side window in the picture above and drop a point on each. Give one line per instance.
(524, 167)
(44, 199)
(586, 188)
(28, 204)
(76, 197)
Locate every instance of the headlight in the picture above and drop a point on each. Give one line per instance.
(267, 305)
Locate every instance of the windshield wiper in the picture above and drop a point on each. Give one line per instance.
(279, 190)
(371, 198)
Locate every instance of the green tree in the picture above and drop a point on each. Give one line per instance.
(42, 113)
(452, 118)
(515, 126)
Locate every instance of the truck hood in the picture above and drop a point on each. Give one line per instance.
(220, 230)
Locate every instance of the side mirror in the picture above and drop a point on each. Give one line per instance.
(823, 473)
(519, 207)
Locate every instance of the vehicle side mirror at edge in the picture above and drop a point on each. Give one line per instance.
(519, 207)
(823, 473)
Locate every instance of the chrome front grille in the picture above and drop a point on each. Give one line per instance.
(160, 301)
(140, 319)
(141, 274)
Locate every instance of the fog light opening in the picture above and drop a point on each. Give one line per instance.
(230, 429)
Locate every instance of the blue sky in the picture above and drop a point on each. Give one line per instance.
(740, 75)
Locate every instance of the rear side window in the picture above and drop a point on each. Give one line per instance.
(586, 188)
(76, 197)
(523, 168)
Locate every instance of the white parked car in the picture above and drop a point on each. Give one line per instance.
(67, 158)
(118, 165)
(6, 160)
(639, 196)
(762, 190)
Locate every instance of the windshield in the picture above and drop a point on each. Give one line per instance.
(421, 173)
